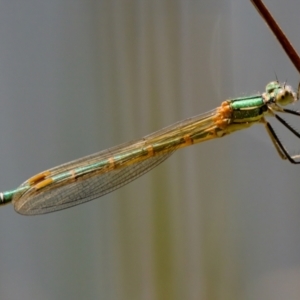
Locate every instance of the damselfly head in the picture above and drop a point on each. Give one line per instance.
(280, 93)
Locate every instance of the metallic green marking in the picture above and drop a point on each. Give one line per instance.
(62, 176)
(7, 196)
(250, 114)
(246, 103)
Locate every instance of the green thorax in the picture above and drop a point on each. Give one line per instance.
(247, 109)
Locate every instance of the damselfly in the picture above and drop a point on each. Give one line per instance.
(93, 176)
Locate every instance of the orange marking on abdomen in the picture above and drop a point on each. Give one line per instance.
(39, 177)
(111, 163)
(73, 174)
(150, 150)
(188, 140)
(43, 183)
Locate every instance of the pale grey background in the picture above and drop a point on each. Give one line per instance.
(219, 220)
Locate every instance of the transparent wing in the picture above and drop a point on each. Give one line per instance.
(33, 203)
(93, 176)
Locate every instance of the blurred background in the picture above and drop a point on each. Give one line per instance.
(219, 220)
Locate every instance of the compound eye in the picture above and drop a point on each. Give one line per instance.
(284, 95)
(284, 98)
(270, 88)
